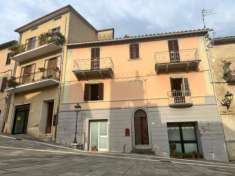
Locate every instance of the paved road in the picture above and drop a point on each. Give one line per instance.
(27, 158)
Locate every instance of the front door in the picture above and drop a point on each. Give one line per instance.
(21, 119)
(141, 128)
(98, 136)
(50, 107)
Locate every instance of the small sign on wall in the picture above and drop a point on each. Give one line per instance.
(127, 132)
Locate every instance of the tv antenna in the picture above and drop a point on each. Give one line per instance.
(205, 13)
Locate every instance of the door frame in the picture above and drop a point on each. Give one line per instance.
(14, 120)
(89, 137)
(142, 146)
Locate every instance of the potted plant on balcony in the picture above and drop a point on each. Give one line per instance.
(43, 38)
(57, 38)
(11, 82)
(17, 48)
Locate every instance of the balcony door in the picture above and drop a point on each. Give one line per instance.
(31, 43)
(27, 73)
(179, 89)
(173, 50)
(95, 58)
(51, 67)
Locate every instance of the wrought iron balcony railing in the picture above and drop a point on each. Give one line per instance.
(179, 98)
(94, 68)
(43, 39)
(43, 74)
(177, 61)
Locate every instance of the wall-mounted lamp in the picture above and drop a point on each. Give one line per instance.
(227, 100)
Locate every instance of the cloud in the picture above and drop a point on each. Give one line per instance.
(126, 16)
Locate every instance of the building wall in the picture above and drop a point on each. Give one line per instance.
(209, 125)
(6, 71)
(79, 31)
(43, 28)
(37, 119)
(219, 54)
(137, 78)
(137, 86)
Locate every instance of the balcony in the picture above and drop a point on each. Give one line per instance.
(38, 80)
(180, 99)
(46, 44)
(177, 61)
(97, 68)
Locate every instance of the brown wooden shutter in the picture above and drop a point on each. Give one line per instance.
(101, 91)
(95, 58)
(186, 87)
(4, 84)
(8, 60)
(137, 50)
(95, 53)
(87, 92)
(173, 45)
(134, 51)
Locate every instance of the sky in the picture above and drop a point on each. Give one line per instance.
(131, 17)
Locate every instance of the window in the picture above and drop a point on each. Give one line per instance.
(3, 83)
(51, 68)
(55, 30)
(180, 87)
(31, 43)
(182, 137)
(8, 60)
(93, 92)
(173, 50)
(134, 51)
(27, 73)
(95, 58)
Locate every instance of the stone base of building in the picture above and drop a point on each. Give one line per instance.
(162, 124)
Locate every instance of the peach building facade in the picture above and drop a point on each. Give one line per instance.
(144, 94)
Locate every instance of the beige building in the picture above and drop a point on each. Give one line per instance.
(6, 71)
(144, 94)
(40, 55)
(222, 59)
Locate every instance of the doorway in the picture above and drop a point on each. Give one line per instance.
(98, 135)
(141, 128)
(50, 107)
(21, 119)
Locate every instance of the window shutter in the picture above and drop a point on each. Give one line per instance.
(97, 53)
(4, 84)
(8, 60)
(101, 91)
(86, 92)
(186, 87)
(134, 51)
(137, 50)
(173, 45)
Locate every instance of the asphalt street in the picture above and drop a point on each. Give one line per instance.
(30, 158)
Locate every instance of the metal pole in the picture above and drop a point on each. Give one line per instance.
(76, 129)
